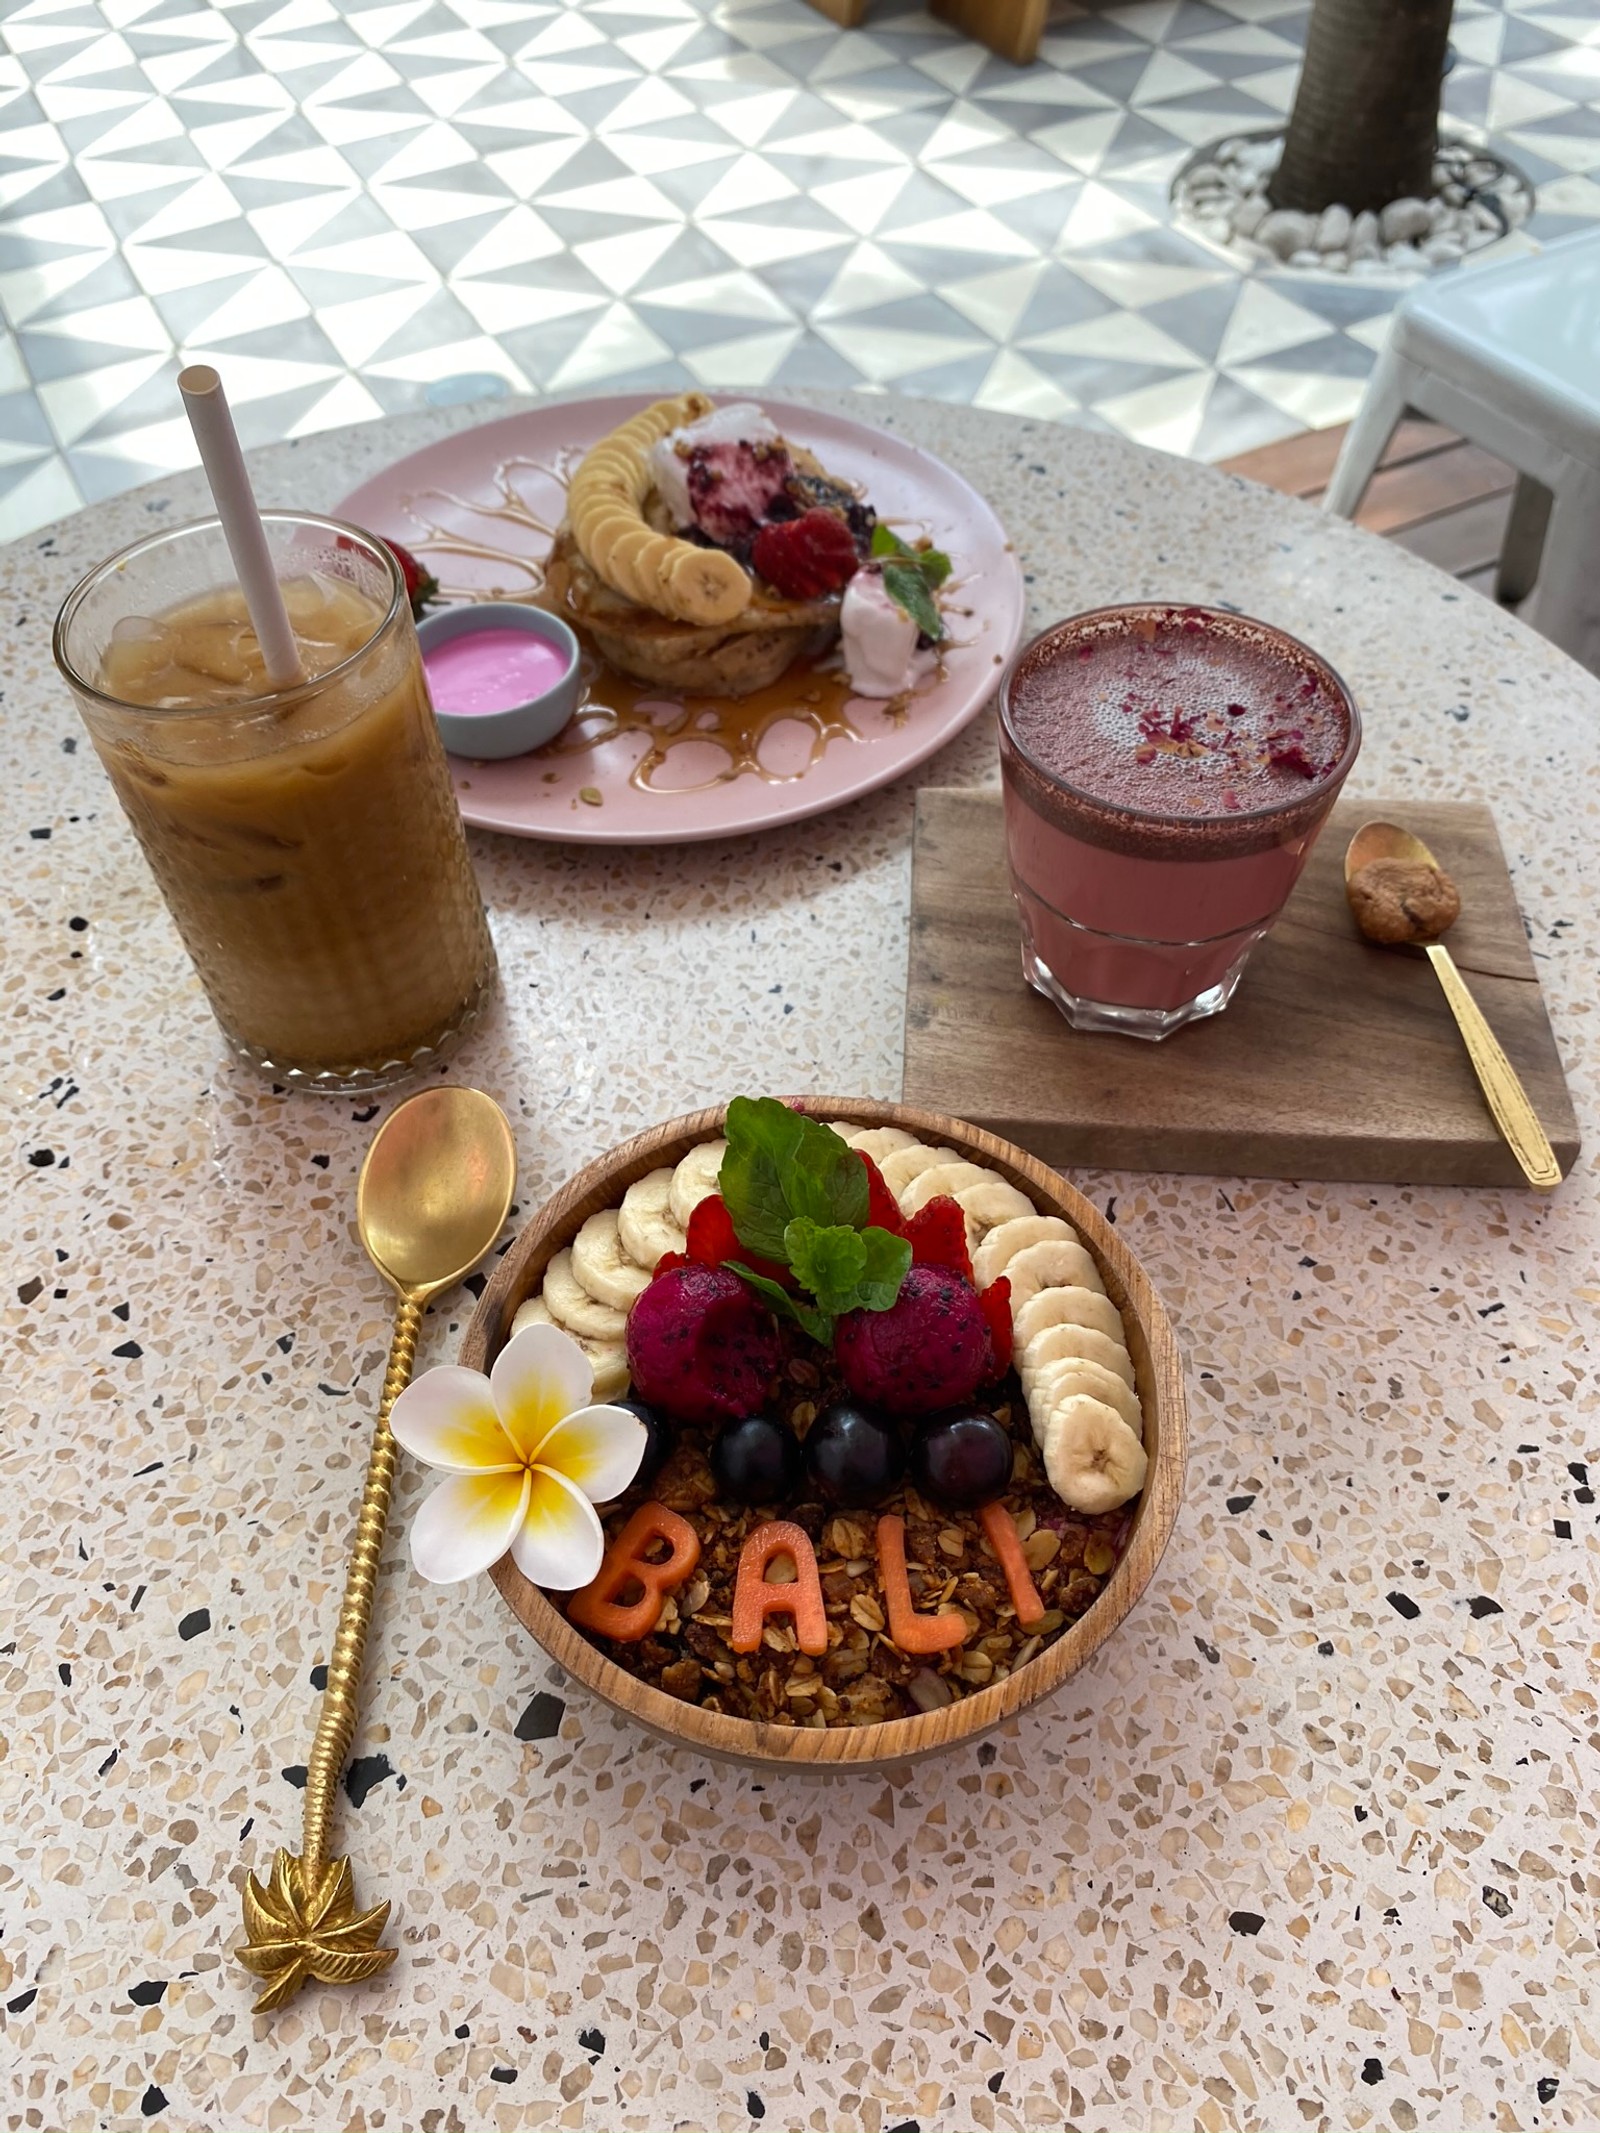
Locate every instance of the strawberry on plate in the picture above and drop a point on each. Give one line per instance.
(422, 587)
(806, 558)
(421, 584)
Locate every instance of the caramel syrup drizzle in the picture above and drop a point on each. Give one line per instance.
(611, 706)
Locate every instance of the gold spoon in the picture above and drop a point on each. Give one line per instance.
(433, 1194)
(1418, 912)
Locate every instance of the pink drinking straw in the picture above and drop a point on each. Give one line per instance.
(207, 408)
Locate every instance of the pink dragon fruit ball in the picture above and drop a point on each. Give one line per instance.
(929, 1350)
(702, 1345)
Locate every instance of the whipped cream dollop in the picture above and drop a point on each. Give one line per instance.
(740, 423)
(880, 639)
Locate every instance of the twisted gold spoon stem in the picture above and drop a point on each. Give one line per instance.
(1422, 905)
(434, 1191)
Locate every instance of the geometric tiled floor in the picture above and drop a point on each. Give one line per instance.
(354, 205)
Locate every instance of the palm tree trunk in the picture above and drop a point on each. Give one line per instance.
(1366, 113)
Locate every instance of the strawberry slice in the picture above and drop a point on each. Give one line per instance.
(995, 1304)
(808, 557)
(938, 1234)
(883, 1210)
(712, 1240)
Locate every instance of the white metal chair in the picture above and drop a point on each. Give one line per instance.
(1509, 356)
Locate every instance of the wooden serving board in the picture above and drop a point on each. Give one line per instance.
(1336, 1059)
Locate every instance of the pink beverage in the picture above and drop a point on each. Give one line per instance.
(1166, 771)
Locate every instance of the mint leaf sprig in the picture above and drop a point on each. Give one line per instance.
(911, 577)
(798, 1194)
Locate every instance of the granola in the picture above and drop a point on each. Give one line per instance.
(863, 1678)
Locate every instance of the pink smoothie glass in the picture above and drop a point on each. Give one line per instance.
(1165, 770)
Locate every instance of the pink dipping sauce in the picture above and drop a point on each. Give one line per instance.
(483, 671)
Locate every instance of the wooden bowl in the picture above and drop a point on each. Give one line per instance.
(1157, 1368)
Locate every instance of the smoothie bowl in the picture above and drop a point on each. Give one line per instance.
(862, 1535)
(1166, 770)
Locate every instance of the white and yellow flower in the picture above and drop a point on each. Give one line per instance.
(528, 1459)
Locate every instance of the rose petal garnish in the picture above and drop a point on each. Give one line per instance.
(468, 1523)
(539, 1375)
(447, 1419)
(559, 1542)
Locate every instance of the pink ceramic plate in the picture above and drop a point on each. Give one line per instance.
(479, 509)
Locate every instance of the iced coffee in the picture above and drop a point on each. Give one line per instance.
(306, 839)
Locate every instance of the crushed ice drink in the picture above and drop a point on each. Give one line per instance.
(306, 839)
(1165, 772)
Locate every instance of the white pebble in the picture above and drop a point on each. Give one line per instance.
(1366, 267)
(1286, 230)
(1441, 251)
(1403, 219)
(1333, 229)
(1259, 156)
(1403, 255)
(1307, 258)
(1249, 215)
(1335, 262)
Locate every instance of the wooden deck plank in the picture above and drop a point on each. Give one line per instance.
(1404, 496)
(1464, 541)
(1301, 466)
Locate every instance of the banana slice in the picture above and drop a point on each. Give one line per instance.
(695, 1179)
(1064, 1339)
(645, 1223)
(602, 1266)
(943, 1180)
(1055, 1264)
(994, 1202)
(611, 1378)
(574, 1310)
(1052, 1382)
(845, 1128)
(1006, 1239)
(605, 501)
(535, 1312)
(607, 1359)
(880, 1142)
(1065, 1306)
(1093, 1460)
(908, 1163)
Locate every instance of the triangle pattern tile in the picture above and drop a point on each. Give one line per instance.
(345, 200)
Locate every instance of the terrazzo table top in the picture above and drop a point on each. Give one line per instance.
(1309, 1844)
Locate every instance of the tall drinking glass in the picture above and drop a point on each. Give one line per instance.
(306, 839)
(1165, 770)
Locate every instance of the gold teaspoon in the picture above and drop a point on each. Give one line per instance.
(434, 1192)
(1401, 895)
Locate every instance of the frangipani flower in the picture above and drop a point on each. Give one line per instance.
(528, 1460)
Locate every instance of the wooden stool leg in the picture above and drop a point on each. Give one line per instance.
(1524, 541)
(1010, 27)
(847, 13)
